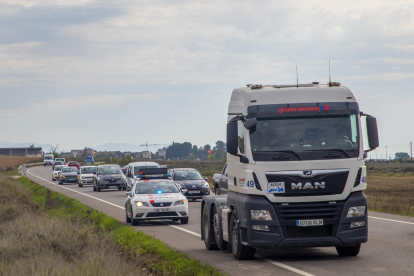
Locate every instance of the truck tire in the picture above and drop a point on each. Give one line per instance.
(350, 251)
(218, 231)
(240, 251)
(209, 240)
(216, 190)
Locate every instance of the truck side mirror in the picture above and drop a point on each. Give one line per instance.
(232, 142)
(372, 131)
(250, 123)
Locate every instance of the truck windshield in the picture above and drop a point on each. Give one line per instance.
(304, 135)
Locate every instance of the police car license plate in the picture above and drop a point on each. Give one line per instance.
(161, 210)
(194, 192)
(309, 222)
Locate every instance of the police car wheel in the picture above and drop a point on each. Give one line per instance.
(128, 219)
(80, 185)
(94, 188)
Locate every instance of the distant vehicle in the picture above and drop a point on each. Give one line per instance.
(68, 175)
(221, 185)
(56, 171)
(48, 160)
(86, 175)
(133, 171)
(124, 169)
(192, 180)
(155, 197)
(74, 164)
(56, 163)
(89, 159)
(61, 159)
(107, 177)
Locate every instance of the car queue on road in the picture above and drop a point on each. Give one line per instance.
(152, 191)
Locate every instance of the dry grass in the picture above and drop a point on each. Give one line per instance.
(9, 162)
(33, 243)
(393, 195)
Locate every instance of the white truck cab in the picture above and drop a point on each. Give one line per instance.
(296, 170)
(48, 159)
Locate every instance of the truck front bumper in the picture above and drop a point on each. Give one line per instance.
(284, 232)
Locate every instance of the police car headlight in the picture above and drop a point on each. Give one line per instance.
(206, 185)
(356, 211)
(140, 204)
(260, 215)
(179, 202)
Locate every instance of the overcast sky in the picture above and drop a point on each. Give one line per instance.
(83, 73)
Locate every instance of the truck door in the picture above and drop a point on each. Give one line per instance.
(223, 183)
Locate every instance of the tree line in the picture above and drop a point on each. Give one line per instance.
(193, 152)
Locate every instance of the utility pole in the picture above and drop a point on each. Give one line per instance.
(411, 148)
(386, 153)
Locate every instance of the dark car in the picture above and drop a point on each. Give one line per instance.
(109, 176)
(68, 175)
(193, 181)
(57, 163)
(74, 164)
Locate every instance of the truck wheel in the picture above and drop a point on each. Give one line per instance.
(128, 219)
(209, 240)
(218, 231)
(348, 250)
(184, 220)
(240, 251)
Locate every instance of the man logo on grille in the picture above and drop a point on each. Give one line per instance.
(307, 173)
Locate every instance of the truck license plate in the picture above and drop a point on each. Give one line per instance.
(161, 210)
(309, 222)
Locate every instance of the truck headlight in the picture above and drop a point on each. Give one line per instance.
(356, 211)
(179, 202)
(260, 215)
(140, 204)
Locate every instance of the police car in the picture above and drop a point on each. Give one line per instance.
(155, 197)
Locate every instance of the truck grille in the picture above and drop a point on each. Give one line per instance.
(289, 214)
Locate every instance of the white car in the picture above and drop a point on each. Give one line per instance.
(155, 199)
(133, 170)
(86, 175)
(56, 171)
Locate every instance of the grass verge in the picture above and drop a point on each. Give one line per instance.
(134, 245)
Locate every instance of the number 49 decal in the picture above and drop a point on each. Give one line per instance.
(250, 183)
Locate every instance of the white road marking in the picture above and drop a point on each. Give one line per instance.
(392, 220)
(198, 235)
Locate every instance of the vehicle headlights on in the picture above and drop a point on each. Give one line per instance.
(206, 185)
(179, 202)
(356, 211)
(260, 215)
(140, 204)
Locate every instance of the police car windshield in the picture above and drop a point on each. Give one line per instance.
(69, 169)
(88, 170)
(109, 170)
(136, 169)
(159, 187)
(187, 175)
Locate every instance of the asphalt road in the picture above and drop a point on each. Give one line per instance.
(389, 251)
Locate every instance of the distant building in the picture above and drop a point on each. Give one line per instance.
(162, 153)
(76, 153)
(146, 154)
(28, 152)
(88, 152)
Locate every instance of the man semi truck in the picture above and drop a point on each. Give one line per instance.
(295, 166)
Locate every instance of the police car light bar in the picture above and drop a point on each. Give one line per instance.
(154, 175)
